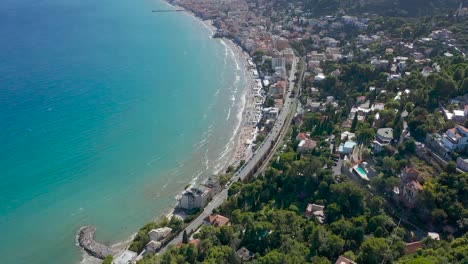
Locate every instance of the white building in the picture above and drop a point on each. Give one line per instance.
(194, 197)
(320, 77)
(153, 246)
(278, 62)
(159, 234)
(125, 258)
(462, 164)
(347, 147)
(315, 56)
(441, 34)
(270, 112)
(385, 135)
(456, 138)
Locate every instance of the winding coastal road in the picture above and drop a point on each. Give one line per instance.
(262, 154)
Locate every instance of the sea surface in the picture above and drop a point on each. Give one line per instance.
(107, 111)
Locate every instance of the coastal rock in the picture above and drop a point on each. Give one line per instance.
(86, 241)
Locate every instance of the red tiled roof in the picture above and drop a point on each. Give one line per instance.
(463, 128)
(412, 247)
(195, 242)
(310, 144)
(217, 220)
(411, 170)
(302, 136)
(343, 260)
(416, 185)
(282, 84)
(455, 132)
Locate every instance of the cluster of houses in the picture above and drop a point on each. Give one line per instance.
(157, 236)
(217, 220)
(454, 139)
(457, 110)
(410, 189)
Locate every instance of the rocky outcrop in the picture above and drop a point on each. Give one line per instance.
(86, 241)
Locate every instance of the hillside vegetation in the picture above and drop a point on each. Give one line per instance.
(382, 7)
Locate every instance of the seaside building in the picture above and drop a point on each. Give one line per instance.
(126, 257)
(270, 112)
(160, 233)
(213, 183)
(153, 246)
(194, 197)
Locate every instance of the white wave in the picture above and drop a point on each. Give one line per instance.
(226, 49)
(205, 137)
(228, 114)
(223, 158)
(153, 160)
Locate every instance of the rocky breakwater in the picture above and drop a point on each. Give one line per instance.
(86, 240)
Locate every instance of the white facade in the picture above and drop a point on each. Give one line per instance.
(385, 135)
(456, 138)
(270, 112)
(462, 164)
(153, 246)
(278, 62)
(125, 258)
(160, 233)
(194, 198)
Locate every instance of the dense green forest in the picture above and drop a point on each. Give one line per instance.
(267, 216)
(383, 7)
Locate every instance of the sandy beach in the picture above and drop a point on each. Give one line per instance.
(245, 135)
(247, 131)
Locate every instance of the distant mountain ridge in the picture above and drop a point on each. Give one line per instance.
(383, 7)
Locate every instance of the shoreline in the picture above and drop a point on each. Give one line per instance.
(243, 135)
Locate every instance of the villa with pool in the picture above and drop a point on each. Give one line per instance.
(361, 171)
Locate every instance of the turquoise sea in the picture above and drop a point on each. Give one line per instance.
(107, 111)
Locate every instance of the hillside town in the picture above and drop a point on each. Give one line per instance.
(373, 167)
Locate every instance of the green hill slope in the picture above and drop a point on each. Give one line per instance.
(383, 7)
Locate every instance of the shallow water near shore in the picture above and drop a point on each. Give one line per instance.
(107, 112)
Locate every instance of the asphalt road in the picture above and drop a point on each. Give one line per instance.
(250, 165)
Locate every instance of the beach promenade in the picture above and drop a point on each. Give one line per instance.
(251, 166)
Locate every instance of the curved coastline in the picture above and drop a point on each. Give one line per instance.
(240, 136)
